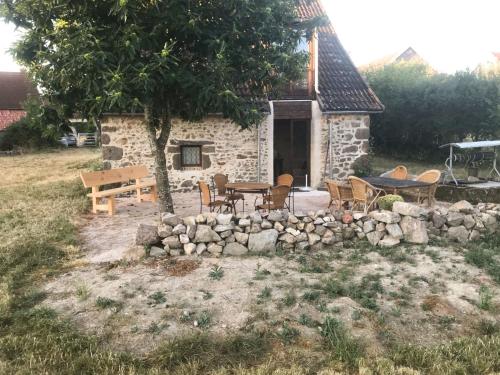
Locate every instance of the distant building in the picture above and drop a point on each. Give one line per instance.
(15, 88)
(409, 56)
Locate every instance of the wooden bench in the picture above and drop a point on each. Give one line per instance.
(137, 173)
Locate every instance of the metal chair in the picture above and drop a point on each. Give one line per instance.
(220, 180)
(364, 193)
(207, 200)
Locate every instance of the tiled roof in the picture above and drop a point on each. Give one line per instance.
(341, 87)
(14, 89)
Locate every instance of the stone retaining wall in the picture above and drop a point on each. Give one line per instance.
(225, 234)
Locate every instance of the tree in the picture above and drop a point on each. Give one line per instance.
(175, 58)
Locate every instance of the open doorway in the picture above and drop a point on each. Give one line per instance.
(292, 149)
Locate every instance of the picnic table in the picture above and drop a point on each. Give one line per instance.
(393, 184)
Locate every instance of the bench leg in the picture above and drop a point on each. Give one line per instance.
(139, 195)
(154, 194)
(111, 205)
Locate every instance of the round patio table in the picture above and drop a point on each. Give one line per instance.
(248, 187)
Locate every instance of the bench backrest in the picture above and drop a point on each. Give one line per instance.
(111, 176)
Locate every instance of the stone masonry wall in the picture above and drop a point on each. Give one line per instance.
(349, 139)
(225, 149)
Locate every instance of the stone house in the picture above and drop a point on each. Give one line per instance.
(314, 131)
(15, 88)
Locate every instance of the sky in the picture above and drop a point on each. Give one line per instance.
(450, 34)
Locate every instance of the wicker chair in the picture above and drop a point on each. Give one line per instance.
(399, 173)
(432, 177)
(363, 193)
(340, 194)
(276, 200)
(207, 200)
(220, 180)
(287, 180)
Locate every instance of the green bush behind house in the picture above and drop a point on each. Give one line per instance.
(425, 110)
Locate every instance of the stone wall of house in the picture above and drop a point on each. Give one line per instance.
(349, 139)
(226, 148)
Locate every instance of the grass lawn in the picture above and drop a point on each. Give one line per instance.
(41, 200)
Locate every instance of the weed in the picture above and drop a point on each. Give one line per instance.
(484, 254)
(261, 274)
(485, 298)
(288, 334)
(216, 273)
(110, 277)
(203, 320)
(206, 294)
(157, 298)
(264, 294)
(356, 315)
(338, 341)
(154, 328)
(289, 300)
(108, 303)
(488, 327)
(307, 321)
(446, 321)
(311, 296)
(82, 292)
(333, 288)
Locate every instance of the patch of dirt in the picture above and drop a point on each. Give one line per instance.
(178, 267)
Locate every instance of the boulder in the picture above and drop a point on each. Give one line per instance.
(189, 248)
(384, 216)
(164, 230)
(292, 219)
(214, 249)
(201, 248)
(157, 251)
(380, 227)
(224, 219)
(301, 237)
(302, 246)
(414, 230)
(374, 237)
(309, 227)
(313, 238)
(172, 242)
(321, 230)
(223, 227)
(279, 227)
(469, 221)
(189, 220)
(293, 232)
(438, 220)
(211, 218)
(147, 235)
(205, 234)
(183, 238)
(266, 224)
(489, 221)
(175, 252)
(359, 215)
(394, 231)
(454, 219)
(463, 207)
(244, 223)
(255, 228)
(369, 226)
(263, 242)
(179, 229)
(459, 234)
(200, 219)
(225, 234)
(170, 219)
(287, 237)
(242, 238)
(474, 235)
(389, 241)
(275, 216)
(409, 209)
(191, 231)
(256, 217)
(230, 239)
(235, 248)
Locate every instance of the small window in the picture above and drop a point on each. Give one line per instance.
(190, 156)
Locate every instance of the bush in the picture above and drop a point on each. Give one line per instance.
(21, 135)
(386, 202)
(362, 166)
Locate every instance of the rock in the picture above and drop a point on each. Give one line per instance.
(394, 231)
(183, 238)
(320, 213)
(359, 215)
(200, 219)
(454, 219)
(489, 221)
(179, 229)
(201, 248)
(293, 232)
(301, 237)
(474, 235)
(389, 241)
(460, 234)
(214, 249)
(275, 216)
(414, 230)
(211, 218)
(313, 238)
(224, 219)
(235, 248)
(307, 219)
(302, 246)
(369, 226)
(205, 234)
(223, 228)
(189, 248)
(408, 209)
(380, 227)
(319, 221)
(348, 233)
(164, 230)
(225, 234)
(175, 252)
(279, 227)
(266, 224)
(320, 229)
(263, 242)
(242, 238)
(191, 231)
(301, 225)
(170, 219)
(463, 207)
(256, 217)
(230, 239)
(374, 237)
(135, 252)
(384, 216)
(172, 242)
(189, 220)
(147, 235)
(469, 221)
(347, 218)
(438, 220)
(255, 228)
(288, 238)
(244, 223)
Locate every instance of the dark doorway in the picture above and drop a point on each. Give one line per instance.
(292, 149)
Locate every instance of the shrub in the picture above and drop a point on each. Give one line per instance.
(362, 166)
(386, 202)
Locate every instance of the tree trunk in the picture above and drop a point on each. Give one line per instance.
(158, 128)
